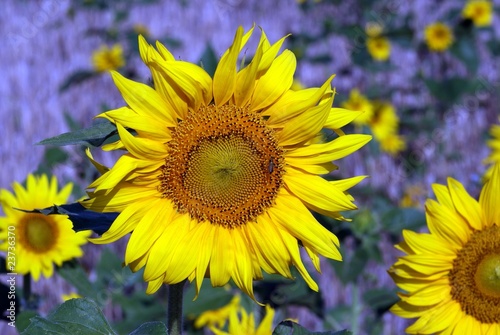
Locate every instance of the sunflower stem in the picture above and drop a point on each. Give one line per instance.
(174, 316)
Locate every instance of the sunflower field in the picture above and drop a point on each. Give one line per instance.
(250, 168)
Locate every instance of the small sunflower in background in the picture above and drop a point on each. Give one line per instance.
(451, 276)
(494, 144)
(223, 169)
(359, 102)
(378, 46)
(108, 59)
(384, 125)
(438, 36)
(38, 241)
(217, 317)
(242, 322)
(479, 11)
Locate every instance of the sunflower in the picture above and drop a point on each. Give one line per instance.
(438, 36)
(494, 144)
(385, 126)
(358, 102)
(479, 11)
(220, 176)
(379, 48)
(241, 322)
(217, 317)
(451, 275)
(106, 58)
(37, 240)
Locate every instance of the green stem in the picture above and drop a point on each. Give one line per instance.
(174, 317)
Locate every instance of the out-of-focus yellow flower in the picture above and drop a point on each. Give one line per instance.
(411, 196)
(373, 29)
(385, 121)
(393, 144)
(69, 296)
(494, 144)
(141, 29)
(38, 241)
(379, 48)
(438, 36)
(107, 59)
(241, 322)
(217, 317)
(479, 11)
(358, 102)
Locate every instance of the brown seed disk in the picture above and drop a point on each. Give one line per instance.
(224, 165)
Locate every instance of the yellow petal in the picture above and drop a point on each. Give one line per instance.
(276, 81)
(490, 198)
(339, 117)
(466, 206)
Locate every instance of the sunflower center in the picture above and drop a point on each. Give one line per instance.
(37, 232)
(475, 277)
(224, 166)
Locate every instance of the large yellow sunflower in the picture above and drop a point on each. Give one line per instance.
(34, 242)
(452, 275)
(220, 176)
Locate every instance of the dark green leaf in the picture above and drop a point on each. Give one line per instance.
(75, 316)
(465, 50)
(450, 90)
(397, 219)
(23, 320)
(380, 299)
(292, 328)
(82, 218)
(209, 60)
(76, 78)
(95, 135)
(211, 298)
(151, 328)
(74, 274)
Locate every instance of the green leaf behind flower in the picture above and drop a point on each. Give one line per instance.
(99, 133)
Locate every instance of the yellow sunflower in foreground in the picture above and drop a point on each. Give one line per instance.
(438, 36)
(241, 322)
(479, 11)
(220, 176)
(106, 58)
(494, 144)
(37, 241)
(452, 274)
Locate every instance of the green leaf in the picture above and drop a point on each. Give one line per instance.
(75, 316)
(95, 135)
(82, 218)
(209, 60)
(397, 219)
(292, 328)
(151, 328)
(380, 299)
(74, 274)
(23, 320)
(450, 90)
(465, 50)
(211, 298)
(76, 78)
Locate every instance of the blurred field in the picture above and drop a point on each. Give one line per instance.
(44, 42)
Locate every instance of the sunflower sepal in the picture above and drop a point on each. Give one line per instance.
(82, 218)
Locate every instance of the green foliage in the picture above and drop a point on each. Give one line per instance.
(83, 317)
(291, 328)
(99, 133)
